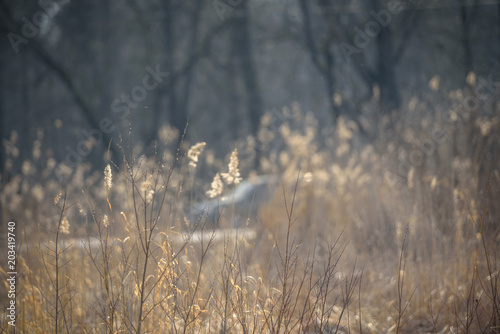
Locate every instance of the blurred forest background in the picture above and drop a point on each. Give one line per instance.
(66, 66)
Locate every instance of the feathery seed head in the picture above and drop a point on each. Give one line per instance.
(410, 178)
(194, 152)
(108, 177)
(64, 226)
(433, 183)
(57, 198)
(233, 176)
(217, 187)
(105, 220)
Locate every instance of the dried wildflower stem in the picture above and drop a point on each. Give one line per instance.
(360, 320)
(103, 266)
(493, 276)
(350, 286)
(286, 261)
(58, 305)
(402, 306)
(204, 252)
(57, 264)
(146, 229)
(143, 234)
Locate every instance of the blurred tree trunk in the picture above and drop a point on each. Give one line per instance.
(183, 107)
(177, 117)
(105, 70)
(465, 17)
(169, 38)
(383, 72)
(384, 75)
(322, 56)
(181, 74)
(244, 41)
(243, 48)
(322, 52)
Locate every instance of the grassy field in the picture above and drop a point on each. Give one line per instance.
(395, 235)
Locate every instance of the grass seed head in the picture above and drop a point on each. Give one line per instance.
(233, 176)
(108, 177)
(217, 187)
(194, 152)
(64, 226)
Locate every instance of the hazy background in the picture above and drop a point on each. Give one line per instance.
(63, 63)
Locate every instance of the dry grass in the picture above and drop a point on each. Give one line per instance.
(353, 240)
